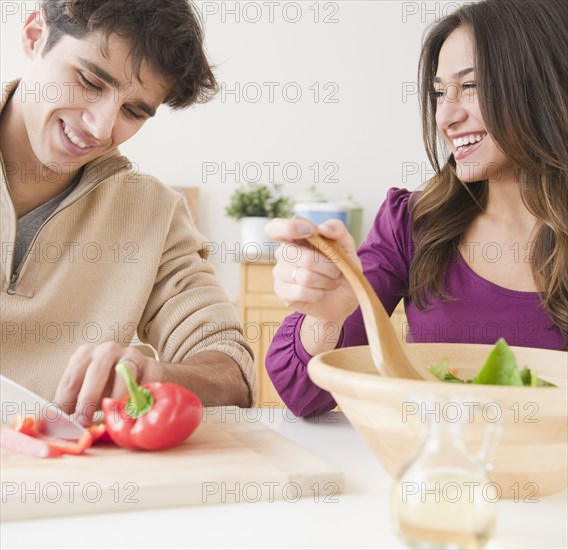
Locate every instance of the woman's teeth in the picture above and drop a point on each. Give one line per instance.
(74, 138)
(467, 140)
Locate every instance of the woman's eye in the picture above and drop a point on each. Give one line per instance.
(437, 94)
(87, 83)
(469, 86)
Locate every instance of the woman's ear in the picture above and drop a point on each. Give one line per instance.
(34, 34)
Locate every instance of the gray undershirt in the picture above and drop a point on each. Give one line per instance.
(28, 225)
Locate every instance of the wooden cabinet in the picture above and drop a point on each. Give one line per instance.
(262, 313)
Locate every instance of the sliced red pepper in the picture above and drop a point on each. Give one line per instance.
(27, 425)
(20, 442)
(30, 427)
(73, 447)
(100, 434)
(152, 417)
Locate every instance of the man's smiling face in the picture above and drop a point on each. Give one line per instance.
(90, 103)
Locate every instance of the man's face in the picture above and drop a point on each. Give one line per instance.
(89, 104)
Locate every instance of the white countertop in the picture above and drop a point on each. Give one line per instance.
(357, 518)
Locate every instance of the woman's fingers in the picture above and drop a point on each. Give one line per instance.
(287, 230)
(309, 276)
(291, 293)
(304, 278)
(336, 230)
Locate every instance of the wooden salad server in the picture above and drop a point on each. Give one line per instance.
(387, 351)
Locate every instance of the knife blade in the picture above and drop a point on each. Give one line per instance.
(18, 402)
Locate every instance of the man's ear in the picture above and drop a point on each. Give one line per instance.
(34, 34)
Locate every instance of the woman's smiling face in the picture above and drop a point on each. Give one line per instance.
(458, 113)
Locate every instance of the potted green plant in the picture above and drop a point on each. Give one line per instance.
(254, 205)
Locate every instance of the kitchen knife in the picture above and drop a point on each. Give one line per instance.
(18, 402)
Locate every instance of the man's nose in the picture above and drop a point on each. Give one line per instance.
(100, 117)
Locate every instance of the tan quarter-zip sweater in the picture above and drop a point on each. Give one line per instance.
(119, 257)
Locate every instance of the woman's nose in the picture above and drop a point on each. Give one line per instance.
(450, 109)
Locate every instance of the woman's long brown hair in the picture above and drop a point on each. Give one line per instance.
(521, 65)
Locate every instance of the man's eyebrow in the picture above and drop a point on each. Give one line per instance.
(143, 106)
(113, 82)
(459, 74)
(100, 72)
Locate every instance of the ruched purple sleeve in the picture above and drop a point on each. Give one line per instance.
(385, 256)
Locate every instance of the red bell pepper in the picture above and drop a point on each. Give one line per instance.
(152, 417)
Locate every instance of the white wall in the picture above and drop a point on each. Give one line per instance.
(360, 54)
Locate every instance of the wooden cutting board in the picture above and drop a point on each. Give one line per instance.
(232, 457)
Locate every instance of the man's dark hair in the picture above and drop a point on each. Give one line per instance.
(166, 34)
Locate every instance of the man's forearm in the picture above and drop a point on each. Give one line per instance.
(213, 376)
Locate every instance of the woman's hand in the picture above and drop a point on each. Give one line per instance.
(304, 279)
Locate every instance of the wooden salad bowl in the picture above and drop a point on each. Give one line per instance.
(532, 454)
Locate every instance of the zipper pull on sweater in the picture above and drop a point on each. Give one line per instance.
(13, 281)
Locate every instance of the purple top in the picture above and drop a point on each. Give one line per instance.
(481, 312)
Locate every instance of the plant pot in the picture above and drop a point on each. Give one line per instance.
(255, 244)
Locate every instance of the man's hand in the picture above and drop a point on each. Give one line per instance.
(90, 376)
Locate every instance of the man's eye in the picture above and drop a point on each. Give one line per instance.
(132, 114)
(87, 83)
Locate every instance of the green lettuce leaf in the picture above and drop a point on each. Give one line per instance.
(500, 369)
(441, 371)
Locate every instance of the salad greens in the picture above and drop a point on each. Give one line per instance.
(500, 369)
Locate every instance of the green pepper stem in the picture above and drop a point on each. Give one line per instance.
(141, 399)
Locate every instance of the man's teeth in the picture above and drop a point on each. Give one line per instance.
(467, 140)
(74, 138)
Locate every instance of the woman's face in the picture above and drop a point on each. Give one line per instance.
(458, 114)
